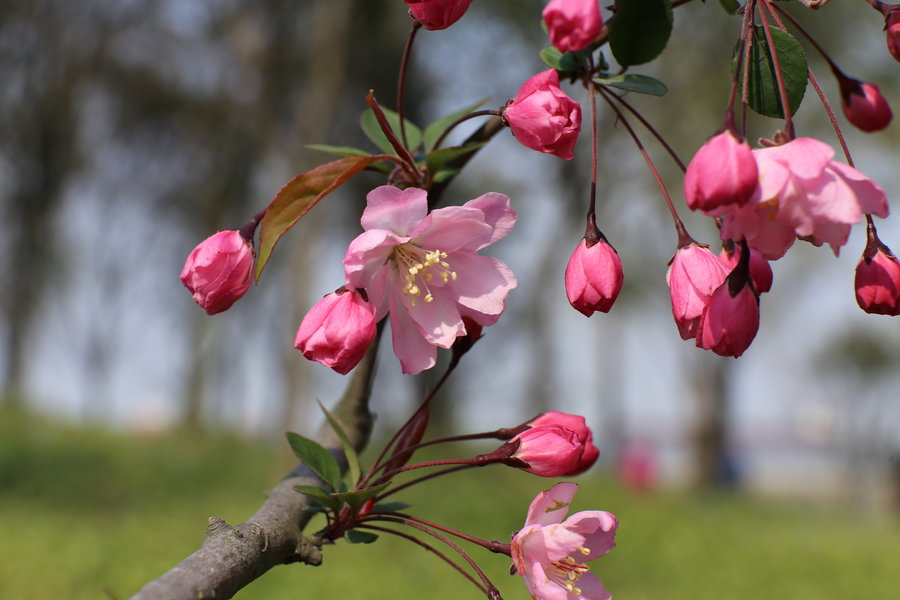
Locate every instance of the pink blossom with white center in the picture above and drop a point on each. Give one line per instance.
(550, 553)
(803, 193)
(423, 268)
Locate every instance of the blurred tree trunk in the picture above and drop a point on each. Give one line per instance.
(713, 467)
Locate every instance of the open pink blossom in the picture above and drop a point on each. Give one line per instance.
(694, 274)
(550, 553)
(577, 424)
(543, 118)
(573, 24)
(804, 194)
(424, 269)
(338, 330)
(219, 271)
(438, 14)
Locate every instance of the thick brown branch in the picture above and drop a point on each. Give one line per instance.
(233, 556)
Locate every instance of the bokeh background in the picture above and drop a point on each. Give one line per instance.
(132, 129)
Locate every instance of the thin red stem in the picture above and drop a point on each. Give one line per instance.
(834, 122)
(493, 546)
(401, 78)
(653, 131)
(409, 163)
(464, 118)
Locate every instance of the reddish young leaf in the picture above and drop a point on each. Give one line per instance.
(299, 195)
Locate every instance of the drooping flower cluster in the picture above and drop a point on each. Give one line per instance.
(424, 270)
(550, 552)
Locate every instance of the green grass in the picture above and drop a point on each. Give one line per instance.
(83, 512)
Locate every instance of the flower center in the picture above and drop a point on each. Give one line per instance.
(567, 571)
(419, 268)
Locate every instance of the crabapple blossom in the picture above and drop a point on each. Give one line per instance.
(338, 330)
(438, 14)
(548, 450)
(219, 270)
(722, 172)
(731, 319)
(577, 424)
(424, 268)
(550, 553)
(864, 106)
(543, 118)
(693, 275)
(573, 24)
(804, 194)
(593, 276)
(878, 282)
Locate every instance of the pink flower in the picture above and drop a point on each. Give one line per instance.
(550, 450)
(878, 283)
(722, 172)
(550, 554)
(438, 14)
(802, 193)
(577, 424)
(760, 269)
(424, 268)
(219, 270)
(694, 274)
(573, 24)
(892, 27)
(732, 318)
(864, 106)
(337, 331)
(543, 118)
(593, 276)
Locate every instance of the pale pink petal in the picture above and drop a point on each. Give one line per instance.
(773, 176)
(551, 506)
(805, 157)
(591, 588)
(560, 542)
(438, 320)
(367, 254)
(871, 197)
(451, 228)
(410, 345)
(482, 284)
(394, 209)
(597, 527)
(498, 213)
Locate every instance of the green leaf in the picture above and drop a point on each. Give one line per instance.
(570, 62)
(642, 84)
(640, 31)
(439, 158)
(434, 130)
(763, 94)
(320, 496)
(390, 507)
(373, 131)
(317, 458)
(357, 498)
(298, 196)
(355, 536)
(444, 174)
(730, 6)
(349, 450)
(551, 57)
(338, 150)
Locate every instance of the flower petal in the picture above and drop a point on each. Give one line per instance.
(438, 320)
(591, 588)
(597, 527)
(498, 214)
(551, 506)
(451, 228)
(394, 209)
(481, 285)
(410, 345)
(367, 255)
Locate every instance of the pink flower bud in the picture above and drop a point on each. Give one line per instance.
(438, 14)
(543, 118)
(892, 28)
(593, 276)
(760, 269)
(219, 270)
(722, 172)
(694, 274)
(338, 330)
(577, 424)
(731, 320)
(878, 283)
(573, 24)
(864, 106)
(548, 450)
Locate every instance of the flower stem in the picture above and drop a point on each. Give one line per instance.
(779, 75)
(653, 131)
(493, 546)
(464, 118)
(409, 163)
(401, 79)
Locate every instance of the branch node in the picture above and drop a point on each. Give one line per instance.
(216, 526)
(308, 551)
